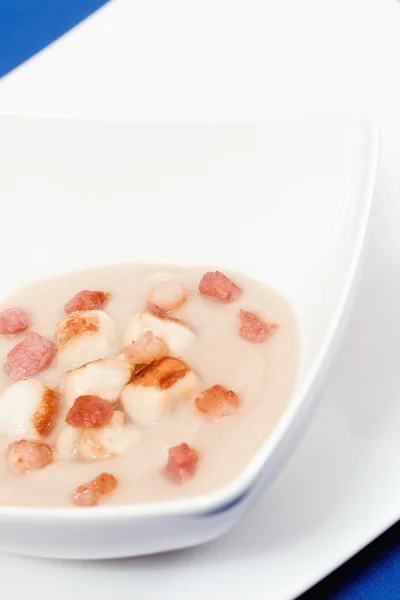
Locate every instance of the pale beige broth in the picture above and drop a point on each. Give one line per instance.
(263, 376)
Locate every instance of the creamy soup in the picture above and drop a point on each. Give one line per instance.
(260, 373)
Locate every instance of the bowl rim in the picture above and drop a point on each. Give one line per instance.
(230, 495)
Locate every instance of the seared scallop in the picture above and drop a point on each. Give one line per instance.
(28, 409)
(176, 333)
(84, 336)
(67, 442)
(158, 390)
(94, 444)
(105, 377)
(166, 297)
(112, 440)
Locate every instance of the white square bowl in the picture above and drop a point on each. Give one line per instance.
(286, 201)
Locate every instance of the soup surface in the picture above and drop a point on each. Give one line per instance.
(260, 373)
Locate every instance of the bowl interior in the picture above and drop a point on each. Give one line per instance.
(285, 201)
(282, 201)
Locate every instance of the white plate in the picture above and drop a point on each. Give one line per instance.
(293, 199)
(351, 451)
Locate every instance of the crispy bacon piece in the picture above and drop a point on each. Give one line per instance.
(29, 357)
(166, 297)
(217, 402)
(218, 286)
(86, 300)
(89, 412)
(25, 456)
(147, 349)
(94, 492)
(182, 462)
(13, 320)
(253, 329)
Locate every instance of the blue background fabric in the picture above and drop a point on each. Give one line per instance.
(373, 574)
(28, 26)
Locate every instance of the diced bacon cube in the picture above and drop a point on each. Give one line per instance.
(182, 462)
(13, 320)
(29, 357)
(25, 456)
(217, 402)
(147, 349)
(86, 300)
(254, 329)
(89, 412)
(218, 286)
(95, 491)
(166, 297)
